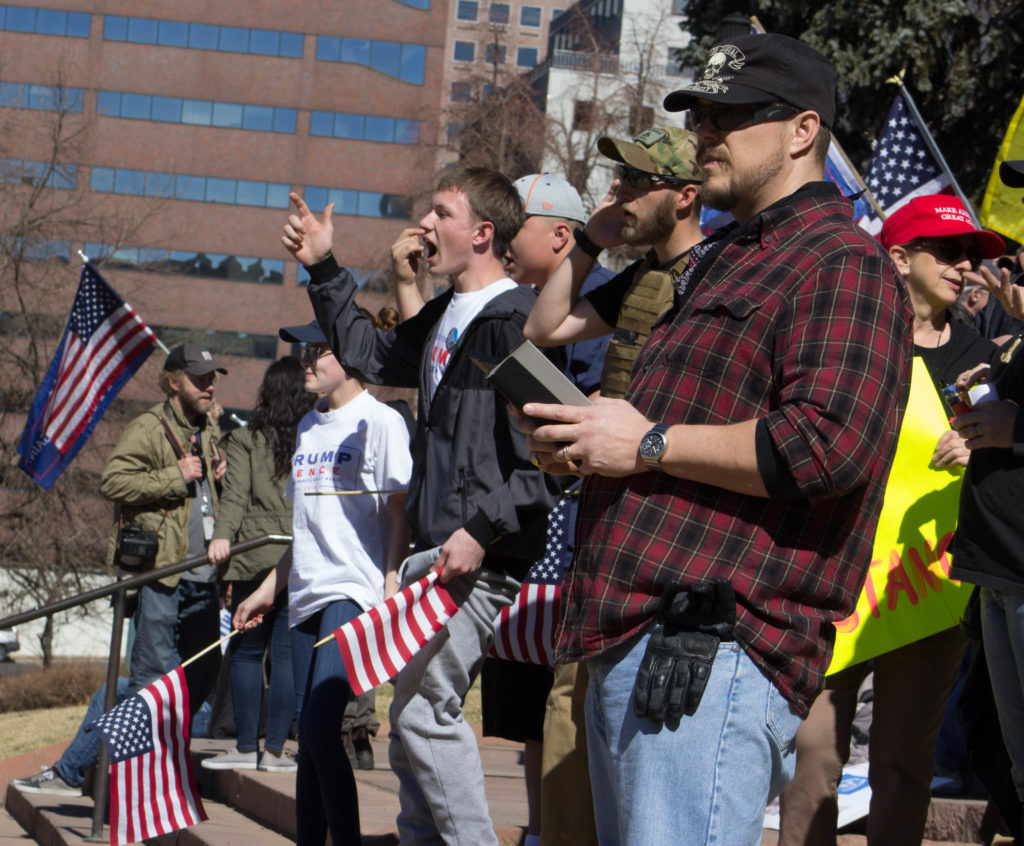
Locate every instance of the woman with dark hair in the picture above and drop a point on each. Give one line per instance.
(253, 504)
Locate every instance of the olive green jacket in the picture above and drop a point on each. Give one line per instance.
(252, 504)
(144, 481)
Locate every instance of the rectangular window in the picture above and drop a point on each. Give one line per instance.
(499, 13)
(328, 48)
(252, 193)
(526, 57)
(414, 60)
(51, 22)
(494, 54)
(379, 128)
(115, 28)
(189, 187)
(143, 30)
(583, 115)
(135, 106)
(227, 115)
(257, 117)
(202, 36)
(468, 10)
(348, 126)
(464, 51)
(530, 16)
(264, 42)
(460, 92)
(102, 179)
(386, 57)
(321, 123)
(78, 24)
(20, 19)
(167, 109)
(199, 112)
(234, 39)
(220, 190)
(277, 195)
(291, 45)
(285, 120)
(173, 34)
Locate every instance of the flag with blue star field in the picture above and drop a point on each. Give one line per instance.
(902, 166)
(104, 343)
(152, 785)
(524, 630)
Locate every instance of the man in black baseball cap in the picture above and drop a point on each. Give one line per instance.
(765, 405)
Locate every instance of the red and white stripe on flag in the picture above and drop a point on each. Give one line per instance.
(155, 792)
(377, 644)
(524, 630)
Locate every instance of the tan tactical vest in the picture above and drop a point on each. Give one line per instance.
(647, 298)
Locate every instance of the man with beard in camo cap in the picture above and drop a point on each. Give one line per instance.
(654, 202)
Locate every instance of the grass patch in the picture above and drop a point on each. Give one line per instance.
(23, 731)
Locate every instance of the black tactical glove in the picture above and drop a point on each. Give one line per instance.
(676, 667)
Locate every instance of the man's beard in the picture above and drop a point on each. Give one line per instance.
(732, 188)
(656, 227)
(194, 407)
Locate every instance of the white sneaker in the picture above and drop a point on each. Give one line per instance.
(233, 760)
(48, 781)
(277, 762)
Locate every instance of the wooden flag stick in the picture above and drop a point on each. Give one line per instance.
(213, 645)
(351, 493)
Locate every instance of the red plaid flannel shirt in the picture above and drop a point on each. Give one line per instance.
(801, 321)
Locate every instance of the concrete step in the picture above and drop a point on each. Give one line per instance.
(250, 808)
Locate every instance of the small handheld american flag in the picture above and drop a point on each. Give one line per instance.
(152, 785)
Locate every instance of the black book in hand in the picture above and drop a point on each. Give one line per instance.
(527, 375)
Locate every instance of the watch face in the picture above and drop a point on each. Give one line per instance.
(652, 444)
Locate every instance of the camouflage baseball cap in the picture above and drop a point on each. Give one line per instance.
(662, 150)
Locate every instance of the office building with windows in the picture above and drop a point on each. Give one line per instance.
(608, 67)
(491, 40)
(192, 122)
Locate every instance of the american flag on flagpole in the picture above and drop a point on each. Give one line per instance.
(902, 166)
(524, 630)
(104, 343)
(152, 785)
(377, 644)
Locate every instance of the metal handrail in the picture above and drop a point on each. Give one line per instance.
(132, 582)
(118, 589)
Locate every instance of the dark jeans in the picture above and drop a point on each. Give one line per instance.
(245, 653)
(85, 747)
(171, 625)
(325, 788)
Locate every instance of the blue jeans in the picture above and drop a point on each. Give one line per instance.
(85, 747)
(245, 653)
(325, 788)
(1002, 629)
(171, 625)
(704, 779)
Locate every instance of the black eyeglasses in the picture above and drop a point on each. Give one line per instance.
(730, 118)
(313, 352)
(947, 250)
(643, 181)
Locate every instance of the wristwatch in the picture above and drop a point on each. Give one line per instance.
(584, 243)
(653, 446)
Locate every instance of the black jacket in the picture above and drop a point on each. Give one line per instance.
(471, 465)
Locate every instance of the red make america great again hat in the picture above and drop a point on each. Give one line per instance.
(937, 216)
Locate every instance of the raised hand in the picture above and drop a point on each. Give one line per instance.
(305, 237)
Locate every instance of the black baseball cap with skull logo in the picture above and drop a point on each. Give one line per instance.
(763, 69)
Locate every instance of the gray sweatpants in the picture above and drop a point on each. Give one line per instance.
(433, 749)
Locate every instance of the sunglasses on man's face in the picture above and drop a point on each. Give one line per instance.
(947, 250)
(731, 118)
(643, 181)
(313, 352)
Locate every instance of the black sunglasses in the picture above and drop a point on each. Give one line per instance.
(947, 250)
(643, 181)
(730, 118)
(313, 352)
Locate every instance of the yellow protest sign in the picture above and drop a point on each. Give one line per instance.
(908, 594)
(1001, 208)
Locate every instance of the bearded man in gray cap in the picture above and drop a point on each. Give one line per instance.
(163, 478)
(732, 496)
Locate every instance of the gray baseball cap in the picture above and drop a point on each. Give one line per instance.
(307, 333)
(548, 196)
(192, 358)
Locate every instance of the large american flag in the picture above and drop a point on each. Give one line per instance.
(377, 644)
(524, 631)
(902, 166)
(152, 786)
(104, 343)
